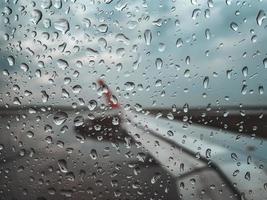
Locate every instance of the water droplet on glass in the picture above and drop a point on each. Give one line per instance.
(194, 2)
(24, 67)
(228, 2)
(148, 37)
(45, 4)
(92, 104)
(45, 96)
(60, 117)
(30, 134)
(260, 17)
(76, 89)
(62, 164)
(195, 13)
(78, 121)
(179, 42)
(36, 16)
(11, 60)
(247, 176)
(185, 108)
(158, 63)
(103, 28)
(120, 37)
(62, 25)
(234, 26)
(206, 82)
(187, 60)
(115, 121)
(244, 89)
(261, 90)
(234, 156)
(236, 172)
(207, 33)
(245, 71)
(208, 153)
(62, 64)
(129, 86)
(186, 73)
(58, 4)
(93, 154)
(170, 133)
(265, 62)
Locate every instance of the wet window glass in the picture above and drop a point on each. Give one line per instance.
(133, 99)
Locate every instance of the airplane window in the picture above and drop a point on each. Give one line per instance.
(133, 99)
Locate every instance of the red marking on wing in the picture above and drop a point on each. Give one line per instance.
(108, 95)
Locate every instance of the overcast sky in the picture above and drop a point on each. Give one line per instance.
(196, 40)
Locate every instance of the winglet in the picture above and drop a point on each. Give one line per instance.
(108, 95)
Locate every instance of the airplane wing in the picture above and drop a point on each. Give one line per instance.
(220, 154)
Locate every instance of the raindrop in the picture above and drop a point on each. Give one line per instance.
(86, 22)
(92, 104)
(24, 67)
(122, 38)
(228, 2)
(115, 121)
(185, 108)
(186, 73)
(45, 4)
(235, 173)
(249, 160)
(234, 26)
(36, 16)
(158, 63)
(51, 191)
(129, 86)
(62, 25)
(62, 64)
(195, 13)
(247, 176)
(11, 60)
(265, 62)
(78, 121)
(60, 117)
(62, 164)
(148, 37)
(234, 156)
(260, 17)
(170, 133)
(65, 93)
(187, 60)
(245, 71)
(261, 90)
(45, 96)
(103, 28)
(179, 42)
(207, 33)
(208, 153)
(76, 89)
(58, 4)
(194, 2)
(207, 13)
(132, 24)
(30, 134)
(93, 154)
(206, 82)
(244, 89)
